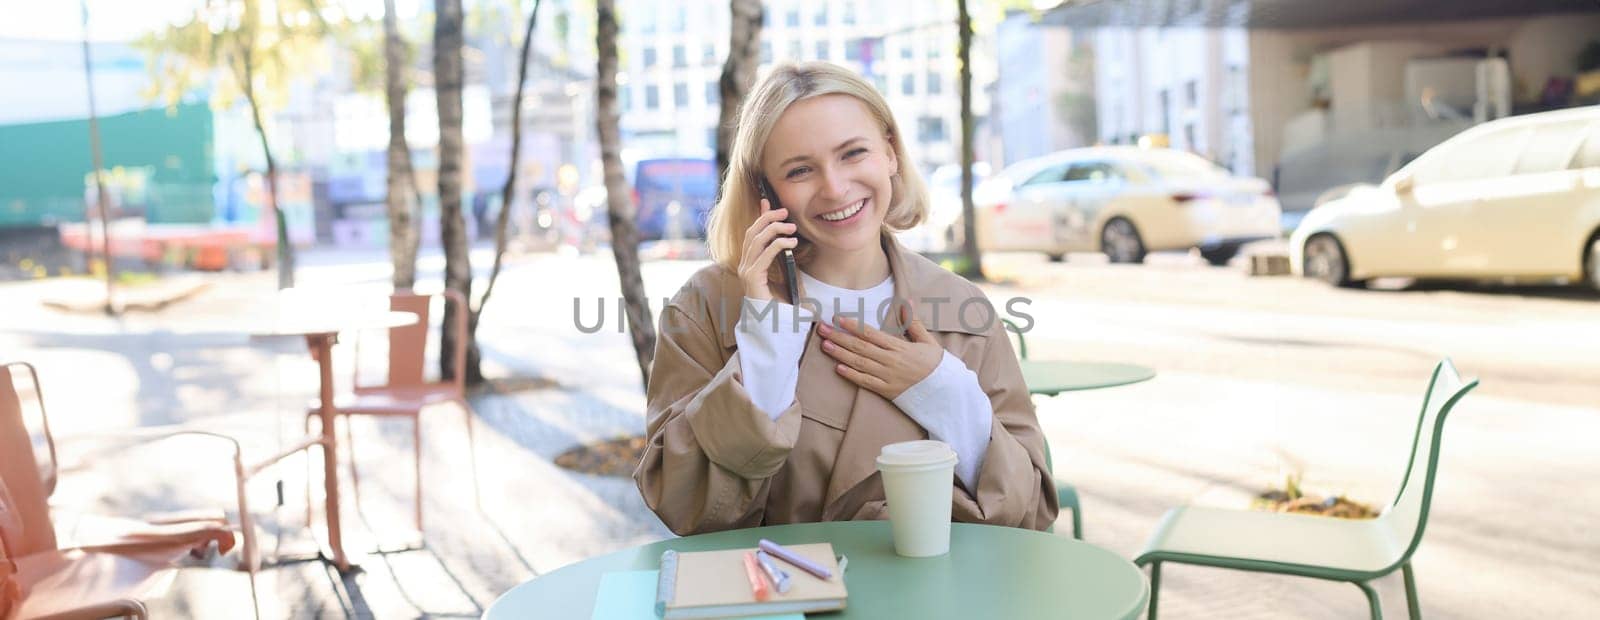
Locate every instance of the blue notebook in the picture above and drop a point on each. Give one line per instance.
(631, 595)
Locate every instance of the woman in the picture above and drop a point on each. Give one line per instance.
(761, 413)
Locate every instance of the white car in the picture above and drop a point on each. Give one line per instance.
(1516, 199)
(1124, 201)
(942, 230)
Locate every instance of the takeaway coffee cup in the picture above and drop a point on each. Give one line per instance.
(918, 478)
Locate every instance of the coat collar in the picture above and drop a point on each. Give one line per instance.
(944, 301)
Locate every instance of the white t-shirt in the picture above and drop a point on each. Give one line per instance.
(949, 403)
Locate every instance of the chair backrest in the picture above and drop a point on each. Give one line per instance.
(1407, 516)
(1013, 330)
(408, 345)
(29, 494)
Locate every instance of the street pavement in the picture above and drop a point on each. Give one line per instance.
(1257, 378)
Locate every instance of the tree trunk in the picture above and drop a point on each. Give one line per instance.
(973, 267)
(98, 161)
(508, 192)
(402, 199)
(738, 75)
(448, 76)
(624, 233)
(285, 247)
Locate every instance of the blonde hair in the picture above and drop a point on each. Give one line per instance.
(741, 196)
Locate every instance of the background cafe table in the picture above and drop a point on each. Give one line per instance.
(319, 320)
(990, 572)
(1051, 377)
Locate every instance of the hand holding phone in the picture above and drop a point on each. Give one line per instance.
(767, 234)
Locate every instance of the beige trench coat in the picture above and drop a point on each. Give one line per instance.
(715, 461)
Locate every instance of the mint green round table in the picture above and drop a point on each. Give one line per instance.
(1051, 377)
(990, 572)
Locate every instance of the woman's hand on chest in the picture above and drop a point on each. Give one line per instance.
(884, 363)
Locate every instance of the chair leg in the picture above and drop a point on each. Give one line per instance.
(307, 461)
(1413, 606)
(1067, 497)
(416, 439)
(1372, 599)
(472, 455)
(350, 453)
(249, 554)
(1155, 588)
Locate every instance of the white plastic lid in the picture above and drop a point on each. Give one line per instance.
(917, 454)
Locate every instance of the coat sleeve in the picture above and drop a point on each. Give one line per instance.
(1014, 485)
(711, 452)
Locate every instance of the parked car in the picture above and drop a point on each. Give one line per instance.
(1124, 201)
(1512, 199)
(942, 230)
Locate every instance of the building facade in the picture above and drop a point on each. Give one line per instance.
(675, 49)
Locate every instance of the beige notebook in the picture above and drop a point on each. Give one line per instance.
(712, 584)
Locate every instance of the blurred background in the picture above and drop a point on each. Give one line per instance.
(1289, 209)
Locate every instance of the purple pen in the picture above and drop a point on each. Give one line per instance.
(794, 558)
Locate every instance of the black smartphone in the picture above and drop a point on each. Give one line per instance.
(791, 281)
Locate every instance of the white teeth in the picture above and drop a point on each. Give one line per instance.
(846, 212)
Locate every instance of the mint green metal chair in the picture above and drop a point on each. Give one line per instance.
(1357, 551)
(1066, 494)
(1066, 497)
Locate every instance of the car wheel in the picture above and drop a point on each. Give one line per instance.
(1591, 270)
(1325, 260)
(1219, 256)
(1121, 243)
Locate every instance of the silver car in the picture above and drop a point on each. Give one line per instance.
(1124, 202)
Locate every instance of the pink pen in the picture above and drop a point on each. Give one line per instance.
(791, 557)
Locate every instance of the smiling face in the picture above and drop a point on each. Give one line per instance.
(830, 163)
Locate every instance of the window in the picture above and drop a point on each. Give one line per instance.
(1550, 148)
(930, 129)
(680, 95)
(821, 18)
(793, 18)
(935, 84)
(1191, 94)
(881, 83)
(766, 51)
(822, 50)
(907, 50)
(627, 98)
(652, 97)
(680, 56)
(649, 57)
(852, 50)
(935, 49)
(908, 84)
(710, 55)
(678, 18)
(849, 13)
(713, 94)
(647, 21)
(1096, 172)
(794, 50)
(1483, 156)
(1052, 174)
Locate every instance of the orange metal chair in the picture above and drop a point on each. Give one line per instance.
(407, 391)
(89, 579)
